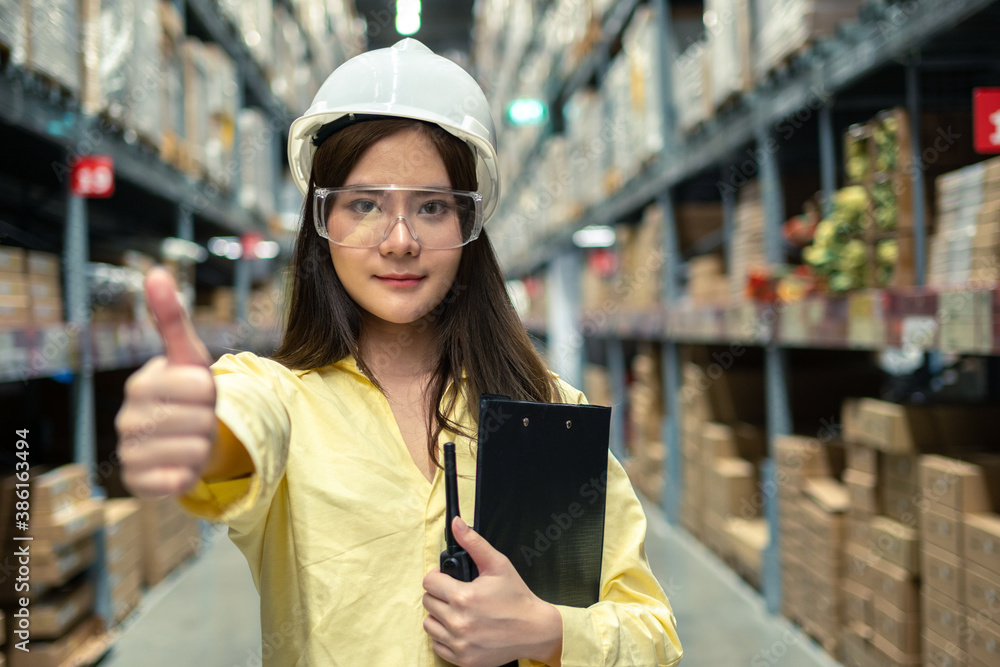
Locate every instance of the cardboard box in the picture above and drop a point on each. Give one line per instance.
(944, 616)
(857, 529)
(15, 311)
(850, 426)
(981, 589)
(70, 524)
(858, 601)
(962, 486)
(903, 471)
(896, 543)
(46, 311)
(901, 628)
(13, 284)
(943, 571)
(53, 616)
(42, 264)
(55, 565)
(894, 428)
(862, 489)
(982, 541)
(983, 641)
(942, 527)
(939, 652)
(59, 489)
(861, 458)
(856, 646)
(901, 504)
(858, 564)
(895, 585)
(11, 259)
(59, 652)
(736, 484)
(889, 655)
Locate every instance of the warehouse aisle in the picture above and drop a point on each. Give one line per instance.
(207, 614)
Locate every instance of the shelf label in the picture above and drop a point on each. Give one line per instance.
(986, 118)
(93, 176)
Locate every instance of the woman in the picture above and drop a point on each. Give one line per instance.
(323, 460)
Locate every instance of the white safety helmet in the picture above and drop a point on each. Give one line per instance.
(407, 80)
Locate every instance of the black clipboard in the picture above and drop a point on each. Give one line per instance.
(541, 483)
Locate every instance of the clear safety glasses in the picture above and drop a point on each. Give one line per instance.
(361, 216)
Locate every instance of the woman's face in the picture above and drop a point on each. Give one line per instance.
(398, 281)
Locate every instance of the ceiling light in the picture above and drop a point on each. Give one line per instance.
(594, 236)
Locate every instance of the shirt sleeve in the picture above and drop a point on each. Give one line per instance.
(633, 623)
(246, 389)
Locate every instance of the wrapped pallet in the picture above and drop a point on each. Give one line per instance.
(641, 46)
(257, 162)
(727, 23)
(220, 107)
(785, 28)
(53, 41)
(692, 89)
(143, 109)
(174, 146)
(108, 40)
(13, 35)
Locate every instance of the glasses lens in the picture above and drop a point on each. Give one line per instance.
(437, 219)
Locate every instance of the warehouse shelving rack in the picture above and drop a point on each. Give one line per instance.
(47, 125)
(888, 33)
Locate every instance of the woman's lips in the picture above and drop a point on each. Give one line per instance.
(401, 280)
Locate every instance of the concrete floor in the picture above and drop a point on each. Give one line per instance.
(207, 614)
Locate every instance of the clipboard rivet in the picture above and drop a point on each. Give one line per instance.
(525, 421)
(569, 424)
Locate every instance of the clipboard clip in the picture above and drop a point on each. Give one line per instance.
(455, 561)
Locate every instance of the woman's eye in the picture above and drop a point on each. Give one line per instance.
(362, 206)
(434, 208)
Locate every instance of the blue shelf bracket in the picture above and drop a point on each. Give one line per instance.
(76, 254)
(775, 366)
(565, 343)
(616, 369)
(185, 231)
(674, 461)
(779, 422)
(827, 157)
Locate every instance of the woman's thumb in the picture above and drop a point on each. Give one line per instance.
(180, 341)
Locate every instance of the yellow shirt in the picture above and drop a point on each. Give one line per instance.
(339, 527)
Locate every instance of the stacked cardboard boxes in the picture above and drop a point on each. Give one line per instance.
(958, 544)
(30, 291)
(64, 520)
(708, 283)
(810, 508)
(748, 253)
(645, 423)
(966, 246)
(123, 555)
(169, 537)
(696, 410)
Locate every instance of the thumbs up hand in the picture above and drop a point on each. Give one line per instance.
(167, 424)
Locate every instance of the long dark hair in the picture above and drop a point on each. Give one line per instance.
(476, 328)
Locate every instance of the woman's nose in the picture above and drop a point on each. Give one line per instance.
(399, 237)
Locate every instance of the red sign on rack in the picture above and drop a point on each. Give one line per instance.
(986, 116)
(93, 176)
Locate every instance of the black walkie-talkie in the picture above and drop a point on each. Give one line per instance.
(455, 561)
